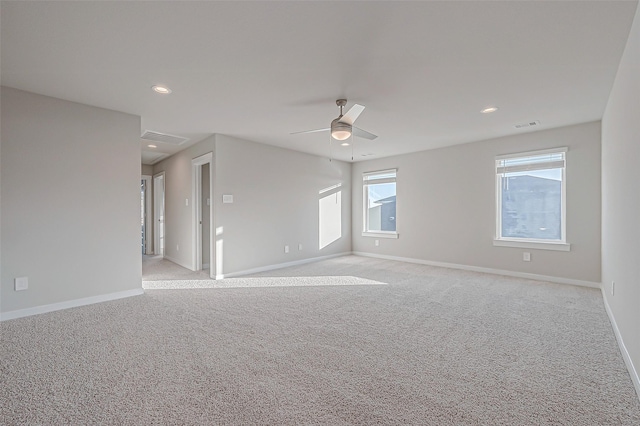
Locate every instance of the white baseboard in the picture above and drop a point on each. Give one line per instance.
(623, 349)
(279, 266)
(177, 262)
(526, 275)
(19, 313)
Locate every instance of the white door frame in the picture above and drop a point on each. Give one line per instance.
(196, 221)
(148, 213)
(156, 210)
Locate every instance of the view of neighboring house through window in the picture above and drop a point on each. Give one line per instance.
(380, 202)
(531, 196)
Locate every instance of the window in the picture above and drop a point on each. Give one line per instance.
(380, 204)
(531, 200)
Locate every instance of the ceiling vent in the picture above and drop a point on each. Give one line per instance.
(163, 137)
(529, 124)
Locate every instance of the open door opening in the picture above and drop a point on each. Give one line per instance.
(158, 214)
(202, 184)
(145, 214)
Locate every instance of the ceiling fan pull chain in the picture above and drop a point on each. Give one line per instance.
(352, 143)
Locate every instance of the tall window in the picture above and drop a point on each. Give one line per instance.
(531, 197)
(380, 203)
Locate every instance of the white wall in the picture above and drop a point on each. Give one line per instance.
(276, 203)
(71, 200)
(621, 198)
(178, 216)
(206, 209)
(446, 205)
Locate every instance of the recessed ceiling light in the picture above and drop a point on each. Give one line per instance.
(345, 144)
(489, 110)
(152, 146)
(161, 89)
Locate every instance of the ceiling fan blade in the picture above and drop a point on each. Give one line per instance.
(311, 131)
(352, 115)
(363, 133)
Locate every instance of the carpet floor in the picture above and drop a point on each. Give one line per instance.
(357, 341)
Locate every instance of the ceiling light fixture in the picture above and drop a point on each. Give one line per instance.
(489, 110)
(339, 130)
(161, 89)
(152, 146)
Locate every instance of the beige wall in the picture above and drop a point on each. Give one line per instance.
(446, 205)
(621, 198)
(147, 170)
(276, 203)
(71, 200)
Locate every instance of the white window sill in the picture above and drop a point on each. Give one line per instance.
(558, 246)
(380, 234)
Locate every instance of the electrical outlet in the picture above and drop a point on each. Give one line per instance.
(21, 283)
(526, 256)
(186, 202)
(177, 247)
(286, 249)
(300, 246)
(377, 242)
(613, 288)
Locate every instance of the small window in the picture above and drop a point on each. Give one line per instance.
(380, 204)
(531, 198)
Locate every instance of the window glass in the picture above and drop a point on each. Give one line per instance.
(380, 201)
(530, 197)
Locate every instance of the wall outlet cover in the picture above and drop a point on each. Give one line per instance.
(21, 283)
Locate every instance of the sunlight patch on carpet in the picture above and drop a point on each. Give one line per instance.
(259, 282)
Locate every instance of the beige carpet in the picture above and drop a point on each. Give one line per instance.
(409, 344)
(156, 268)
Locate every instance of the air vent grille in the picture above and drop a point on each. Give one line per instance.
(529, 124)
(163, 137)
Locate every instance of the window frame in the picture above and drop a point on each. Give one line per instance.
(365, 202)
(532, 243)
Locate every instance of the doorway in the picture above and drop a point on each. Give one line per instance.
(145, 213)
(158, 214)
(202, 184)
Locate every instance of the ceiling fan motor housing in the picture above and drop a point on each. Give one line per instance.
(340, 130)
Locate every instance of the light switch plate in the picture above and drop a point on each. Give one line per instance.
(227, 199)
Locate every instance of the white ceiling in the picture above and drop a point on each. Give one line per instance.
(261, 70)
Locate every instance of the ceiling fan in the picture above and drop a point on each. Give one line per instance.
(342, 127)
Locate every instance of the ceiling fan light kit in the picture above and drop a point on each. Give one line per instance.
(340, 131)
(342, 127)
